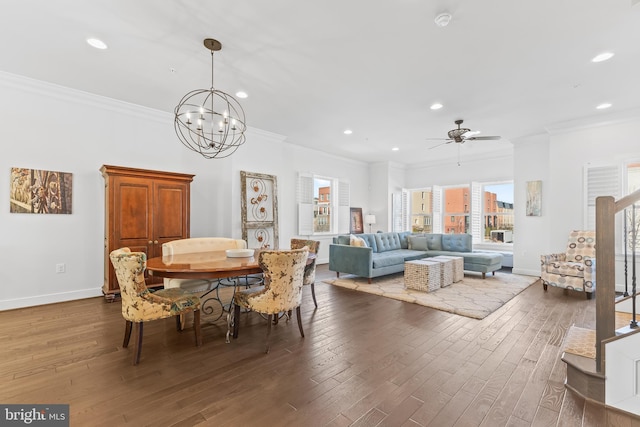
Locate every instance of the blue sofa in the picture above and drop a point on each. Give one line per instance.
(386, 253)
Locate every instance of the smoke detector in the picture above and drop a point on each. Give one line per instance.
(443, 19)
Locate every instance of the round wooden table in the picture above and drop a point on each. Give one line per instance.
(203, 265)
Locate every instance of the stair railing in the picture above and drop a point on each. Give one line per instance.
(606, 210)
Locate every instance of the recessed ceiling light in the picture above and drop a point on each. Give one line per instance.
(97, 43)
(395, 149)
(436, 106)
(602, 57)
(603, 106)
(348, 132)
(241, 94)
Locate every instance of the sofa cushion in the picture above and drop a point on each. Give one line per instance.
(370, 240)
(356, 241)
(456, 242)
(404, 239)
(418, 243)
(387, 242)
(388, 258)
(434, 241)
(342, 240)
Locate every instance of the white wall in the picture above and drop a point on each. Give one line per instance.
(54, 128)
(531, 164)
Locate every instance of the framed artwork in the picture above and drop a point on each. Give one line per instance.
(357, 226)
(534, 198)
(259, 210)
(40, 191)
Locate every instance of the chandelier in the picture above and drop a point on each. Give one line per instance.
(209, 121)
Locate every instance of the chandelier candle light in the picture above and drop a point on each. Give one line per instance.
(209, 121)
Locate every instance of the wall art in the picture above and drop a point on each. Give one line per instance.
(259, 210)
(40, 191)
(534, 198)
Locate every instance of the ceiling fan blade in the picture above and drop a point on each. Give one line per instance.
(448, 142)
(438, 139)
(483, 138)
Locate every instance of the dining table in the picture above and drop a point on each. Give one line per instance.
(231, 271)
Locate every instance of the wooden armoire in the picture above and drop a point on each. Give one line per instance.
(143, 210)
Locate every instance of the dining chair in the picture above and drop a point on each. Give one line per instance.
(309, 269)
(140, 305)
(282, 290)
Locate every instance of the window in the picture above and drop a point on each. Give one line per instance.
(498, 213)
(484, 210)
(455, 199)
(318, 212)
(633, 184)
(421, 211)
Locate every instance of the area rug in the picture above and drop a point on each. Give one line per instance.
(472, 297)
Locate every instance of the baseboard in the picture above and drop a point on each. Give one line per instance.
(12, 304)
(525, 272)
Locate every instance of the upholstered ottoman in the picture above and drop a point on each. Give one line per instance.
(458, 266)
(446, 269)
(422, 275)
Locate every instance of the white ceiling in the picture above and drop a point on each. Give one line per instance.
(313, 69)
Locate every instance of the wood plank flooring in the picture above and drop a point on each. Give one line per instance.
(365, 361)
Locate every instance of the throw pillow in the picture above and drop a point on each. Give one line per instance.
(418, 243)
(357, 241)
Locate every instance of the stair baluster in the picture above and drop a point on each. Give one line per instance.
(634, 241)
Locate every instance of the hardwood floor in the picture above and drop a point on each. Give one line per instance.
(365, 361)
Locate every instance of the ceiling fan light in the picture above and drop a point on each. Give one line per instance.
(443, 19)
(436, 106)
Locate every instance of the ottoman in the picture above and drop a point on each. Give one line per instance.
(422, 275)
(446, 270)
(458, 266)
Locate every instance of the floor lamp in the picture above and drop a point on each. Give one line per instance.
(370, 219)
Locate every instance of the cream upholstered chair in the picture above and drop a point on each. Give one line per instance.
(309, 269)
(195, 245)
(282, 291)
(576, 268)
(140, 305)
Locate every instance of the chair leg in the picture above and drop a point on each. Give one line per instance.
(236, 320)
(138, 349)
(179, 322)
(127, 333)
(269, 320)
(299, 321)
(484, 276)
(196, 327)
(544, 286)
(313, 294)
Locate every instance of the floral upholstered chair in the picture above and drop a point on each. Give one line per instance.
(140, 305)
(309, 269)
(282, 292)
(576, 268)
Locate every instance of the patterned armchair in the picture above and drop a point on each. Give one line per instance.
(309, 269)
(575, 269)
(282, 291)
(140, 305)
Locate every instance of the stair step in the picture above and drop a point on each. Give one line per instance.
(581, 342)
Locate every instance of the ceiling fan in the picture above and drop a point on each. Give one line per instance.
(460, 135)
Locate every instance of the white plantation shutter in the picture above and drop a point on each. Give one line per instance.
(406, 211)
(344, 203)
(305, 204)
(476, 214)
(437, 209)
(599, 181)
